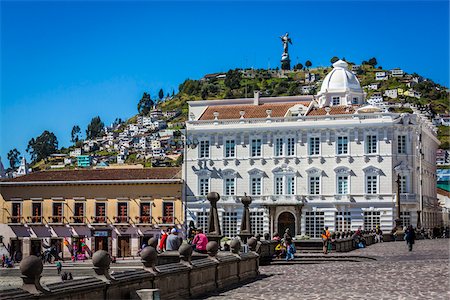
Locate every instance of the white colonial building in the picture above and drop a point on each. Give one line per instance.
(309, 161)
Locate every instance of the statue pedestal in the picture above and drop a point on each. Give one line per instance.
(214, 237)
(286, 64)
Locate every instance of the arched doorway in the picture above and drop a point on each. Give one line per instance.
(286, 220)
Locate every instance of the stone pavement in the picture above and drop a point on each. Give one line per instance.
(397, 274)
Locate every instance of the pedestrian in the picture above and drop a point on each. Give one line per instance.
(59, 267)
(410, 237)
(288, 245)
(162, 242)
(3, 260)
(199, 242)
(378, 235)
(192, 231)
(326, 236)
(173, 240)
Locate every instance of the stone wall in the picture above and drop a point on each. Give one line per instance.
(186, 278)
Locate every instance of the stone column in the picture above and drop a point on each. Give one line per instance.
(298, 211)
(246, 228)
(214, 233)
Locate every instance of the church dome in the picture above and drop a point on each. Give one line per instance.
(340, 79)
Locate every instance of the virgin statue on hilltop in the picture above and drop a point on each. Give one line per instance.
(286, 40)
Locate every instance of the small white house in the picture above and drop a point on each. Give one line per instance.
(381, 75)
(397, 72)
(373, 86)
(393, 94)
(75, 152)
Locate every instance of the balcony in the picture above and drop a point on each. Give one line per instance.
(35, 219)
(15, 220)
(56, 220)
(143, 219)
(99, 220)
(408, 198)
(166, 220)
(121, 219)
(77, 220)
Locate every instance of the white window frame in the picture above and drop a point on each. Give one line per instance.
(278, 185)
(290, 190)
(343, 221)
(371, 190)
(229, 224)
(401, 144)
(316, 189)
(335, 98)
(226, 191)
(290, 147)
(371, 219)
(201, 189)
(369, 144)
(312, 146)
(344, 146)
(405, 215)
(204, 150)
(255, 153)
(230, 152)
(342, 187)
(257, 221)
(203, 216)
(260, 185)
(278, 147)
(317, 220)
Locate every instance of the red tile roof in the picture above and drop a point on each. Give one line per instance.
(227, 112)
(443, 192)
(100, 174)
(334, 110)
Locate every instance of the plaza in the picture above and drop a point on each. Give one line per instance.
(396, 274)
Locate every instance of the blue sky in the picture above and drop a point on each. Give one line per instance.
(63, 63)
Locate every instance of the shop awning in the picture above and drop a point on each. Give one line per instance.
(62, 231)
(82, 231)
(41, 231)
(20, 230)
(128, 230)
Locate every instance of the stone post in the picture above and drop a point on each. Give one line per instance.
(214, 233)
(246, 228)
(212, 248)
(149, 257)
(186, 254)
(101, 261)
(31, 268)
(235, 246)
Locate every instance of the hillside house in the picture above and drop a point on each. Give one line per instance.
(393, 94)
(381, 75)
(397, 72)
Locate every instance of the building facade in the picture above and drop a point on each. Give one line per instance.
(310, 161)
(81, 211)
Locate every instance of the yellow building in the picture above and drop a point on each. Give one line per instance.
(81, 211)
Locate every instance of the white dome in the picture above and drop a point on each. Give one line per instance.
(340, 79)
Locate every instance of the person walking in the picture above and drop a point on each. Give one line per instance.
(410, 237)
(162, 242)
(199, 242)
(288, 245)
(326, 236)
(378, 235)
(59, 267)
(173, 240)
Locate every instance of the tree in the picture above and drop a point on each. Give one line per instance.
(334, 59)
(13, 158)
(373, 62)
(233, 79)
(42, 146)
(298, 66)
(308, 64)
(75, 134)
(161, 94)
(145, 104)
(117, 122)
(173, 92)
(95, 128)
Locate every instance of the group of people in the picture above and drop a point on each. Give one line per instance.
(285, 246)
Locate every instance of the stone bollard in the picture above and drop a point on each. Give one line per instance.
(101, 261)
(31, 268)
(149, 258)
(235, 246)
(186, 254)
(252, 243)
(153, 242)
(212, 248)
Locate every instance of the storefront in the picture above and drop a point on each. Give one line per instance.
(102, 240)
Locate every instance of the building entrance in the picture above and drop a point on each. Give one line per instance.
(123, 247)
(286, 220)
(101, 243)
(36, 247)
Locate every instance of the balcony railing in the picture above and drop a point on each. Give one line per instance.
(56, 219)
(77, 219)
(121, 219)
(143, 219)
(15, 219)
(99, 219)
(166, 220)
(35, 219)
(408, 198)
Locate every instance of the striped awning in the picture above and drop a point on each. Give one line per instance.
(41, 231)
(20, 230)
(62, 231)
(82, 231)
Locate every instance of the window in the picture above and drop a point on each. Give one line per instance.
(279, 147)
(16, 213)
(342, 185)
(405, 216)
(314, 146)
(204, 149)
(371, 144)
(168, 213)
(202, 220)
(229, 224)
(57, 212)
(355, 100)
(403, 184)
(336, 100)
(122, 212)
(229, 186)
(145, 209)
(78, 214)
(100, 212)
(230, 148)
(290, 185)
(314, 185)
(314, 223)
(371, 220)
(255, 186)
(257, 222)
(278, 185)
(36, 212)
(256, 147)
(371, 184)
(342, 145)
(203, 186)
(343, 221)
(401, 144)
(290, 146)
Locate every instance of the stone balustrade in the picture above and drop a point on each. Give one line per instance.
(186, 278)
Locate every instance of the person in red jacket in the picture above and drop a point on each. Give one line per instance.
(162, 241)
